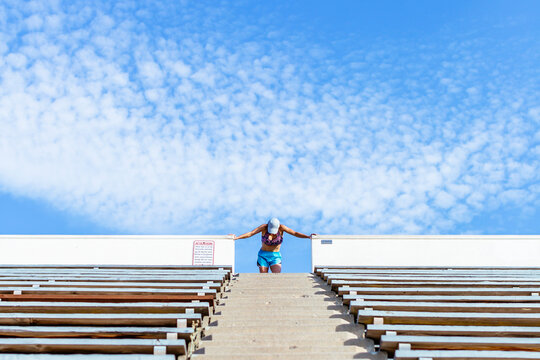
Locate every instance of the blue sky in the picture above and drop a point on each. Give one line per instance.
(352, 117)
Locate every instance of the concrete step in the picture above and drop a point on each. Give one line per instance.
(283, 277)
(227, 309)
(260, 275)
(282, 302)
(277, 296)
(308, 332)
(277, 279)
(317, 334)
(278, 287)
(263, 348)
(343, 339)
(277, 311)
(296, 304)
(258, 290)
(290, 356)
(269, 315)
(228, 299)
(283, 323)
(282, 316)
(318, 329)
(362, 345)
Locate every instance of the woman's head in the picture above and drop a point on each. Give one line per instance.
(273, 225)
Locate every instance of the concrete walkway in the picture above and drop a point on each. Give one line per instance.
(283, 316)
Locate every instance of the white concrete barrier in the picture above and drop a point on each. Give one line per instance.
(117, 249)
(427, 250)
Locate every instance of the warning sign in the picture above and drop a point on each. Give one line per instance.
(203, 252)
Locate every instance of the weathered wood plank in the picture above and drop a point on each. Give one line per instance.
(73, 290)
(375, 331)
(82, 307)
(450, 318)
(12, 356)
(432, 276)
(440, 270)
(465, 355)
(335, 284)
(390, 343)
(14, 272)
(321, 268)
(100, 284)
(118, 346)
(210, 298)
(440, 291)
(98, 319)
(399, 279)
(435, 279)
(100, 278)
(126, 266)
(445, 307)
(442, 298)
(185, 333)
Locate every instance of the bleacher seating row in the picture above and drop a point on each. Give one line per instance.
(106, 311)
(444, 313)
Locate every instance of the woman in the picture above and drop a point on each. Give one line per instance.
(271, 237)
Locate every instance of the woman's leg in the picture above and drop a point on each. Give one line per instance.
(275, 268)
(263, 269)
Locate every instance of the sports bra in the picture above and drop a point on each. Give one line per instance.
(276, 241)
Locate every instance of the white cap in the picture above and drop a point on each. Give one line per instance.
(273, 225)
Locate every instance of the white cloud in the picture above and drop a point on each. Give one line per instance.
(187, 132)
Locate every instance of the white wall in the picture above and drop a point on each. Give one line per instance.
(122, 249)
(416, 250)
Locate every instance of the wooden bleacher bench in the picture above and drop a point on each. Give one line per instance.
(13, 356)
(390, 343)
(105, 310)
(190, 335)
(100, 274)
(395, 275)
(210, 298)
(178, 279)
(347, 298)
(110, 266)
(100, 319)
(439, 291)
(102, 284)
(321, 268)
(108, 332)
(444, 313)
(465, 354)
(424, 268)
(445, 307)
(202, 308)
(405, 278)
(335, 284)
(223, 274)
(98, 290)
(104, 346)
(375, 331)
(449, 318)
(426, 281)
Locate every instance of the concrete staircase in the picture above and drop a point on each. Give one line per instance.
(282, 316)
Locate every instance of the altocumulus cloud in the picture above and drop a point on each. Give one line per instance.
(210, 121)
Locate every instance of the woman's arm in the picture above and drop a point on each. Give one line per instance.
(251, 233)
(294, 233)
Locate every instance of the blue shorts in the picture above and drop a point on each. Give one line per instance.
(268, 258)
